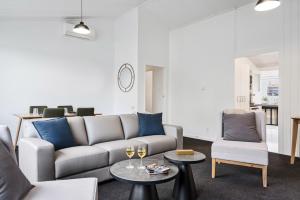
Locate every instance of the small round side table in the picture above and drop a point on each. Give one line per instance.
(184, 188)
(143, 184)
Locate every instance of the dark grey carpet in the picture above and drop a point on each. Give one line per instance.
(232, 182)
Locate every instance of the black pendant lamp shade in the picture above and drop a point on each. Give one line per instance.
(81, 28)
(265, 5)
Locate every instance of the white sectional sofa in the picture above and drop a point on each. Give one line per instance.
(101, 140)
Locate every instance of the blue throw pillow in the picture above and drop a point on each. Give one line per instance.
(150, 124)
(56, 131)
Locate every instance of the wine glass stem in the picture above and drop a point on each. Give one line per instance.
(141, 162)
(130, 162)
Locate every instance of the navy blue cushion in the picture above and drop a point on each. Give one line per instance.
(56, 131)
(150, 124)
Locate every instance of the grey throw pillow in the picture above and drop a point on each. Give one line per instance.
(13, 183)
(240, 127)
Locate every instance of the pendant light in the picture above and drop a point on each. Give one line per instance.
(81, 28)
(265, 5)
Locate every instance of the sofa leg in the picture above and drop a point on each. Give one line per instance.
(213, 168)
(265, 176)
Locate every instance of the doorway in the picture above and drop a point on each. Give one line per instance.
(155, 89)
(257, 81)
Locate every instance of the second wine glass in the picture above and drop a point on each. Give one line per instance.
(142, 153)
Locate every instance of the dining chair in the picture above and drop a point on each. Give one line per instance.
(53, 112)
(68, 107)
(85, 111)
(40, 109)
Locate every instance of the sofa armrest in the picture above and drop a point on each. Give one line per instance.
(175, 131)
(74, 189)
(36, 159)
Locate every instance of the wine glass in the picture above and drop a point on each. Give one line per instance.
(130, 154)
(141, 153)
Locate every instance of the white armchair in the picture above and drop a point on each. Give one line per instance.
(248, 154)
(85, 188)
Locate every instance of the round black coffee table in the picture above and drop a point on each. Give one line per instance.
(143, 184)
(184, 188)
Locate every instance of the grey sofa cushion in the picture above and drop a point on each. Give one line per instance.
(13, 183)
(240, 127)
(79, 159)
(130, 125)
(158, 143)
(117, 149)
(103, 128)
(78, 130)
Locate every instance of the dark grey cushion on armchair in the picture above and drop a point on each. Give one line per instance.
(240, 127)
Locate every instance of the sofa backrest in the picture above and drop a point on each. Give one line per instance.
(103, 128)
(78, 130)
(76, 125)
(130, 125)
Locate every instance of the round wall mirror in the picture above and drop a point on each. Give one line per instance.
(126, 77)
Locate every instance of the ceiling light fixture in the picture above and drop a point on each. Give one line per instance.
(265, 5)
(81, 28)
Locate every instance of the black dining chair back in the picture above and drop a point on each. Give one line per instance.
(68, 107)
(85, 111)
(40, 109)
(53, 112)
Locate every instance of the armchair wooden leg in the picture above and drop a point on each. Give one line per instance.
(265, 176)
(213, 168)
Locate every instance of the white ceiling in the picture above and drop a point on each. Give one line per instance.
(267, 60)
(176, 13)
(65, 8)
(173, 13)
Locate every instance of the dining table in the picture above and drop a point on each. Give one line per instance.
(28, 116)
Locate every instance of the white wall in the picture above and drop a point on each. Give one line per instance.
(139, 40)
(153, 50)
(202, 75)
(40, 66)
(196, 50)
(289, 72)
(202, 65)
(126, 51)
(257, 32)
